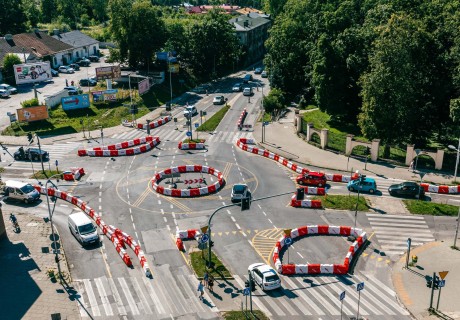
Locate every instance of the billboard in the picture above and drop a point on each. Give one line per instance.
(111, 72)
(105, 96)
(75, 102)
(144, 86)
(32, 72)
(31, 114)
(167, 56)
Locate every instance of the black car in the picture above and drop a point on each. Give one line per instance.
(30, 154)
(88, 82)
(93, 58)
(407, 189)
(247, 78)
(74, 66)
(54, 73)
(84, 63)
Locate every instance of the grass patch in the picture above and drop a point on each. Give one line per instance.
(343, 202)
(194, 141)
(199, 265)
(239, 315)
(212, 123)
(39, 174)
(431, 208)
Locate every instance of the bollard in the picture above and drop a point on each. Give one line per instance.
(414, 259)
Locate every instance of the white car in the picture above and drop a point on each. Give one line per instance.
(11, 89)
(247, 91)
(4, 93)
(237, 87)
(66, 69)
(240, 191)
(219, 100)
(190, 111)
(264, 276)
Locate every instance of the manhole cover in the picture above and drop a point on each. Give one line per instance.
(45, 250)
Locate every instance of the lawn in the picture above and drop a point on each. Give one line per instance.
(239, 315)
(212, 123)
(199, 265)
(431, 208)
(339, 202)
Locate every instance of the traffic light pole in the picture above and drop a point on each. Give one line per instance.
(250, 290)
(41, 156)
(433, 280)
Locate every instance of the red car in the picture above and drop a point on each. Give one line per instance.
(312, 178)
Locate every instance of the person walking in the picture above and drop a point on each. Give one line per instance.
(201, 290)
(411, 166)
(66, 82)
(206, 278)
(211, 283)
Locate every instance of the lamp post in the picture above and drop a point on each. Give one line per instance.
(56, 257)
(263, 115)
(456, 230)
(456, 162)
(170, 77)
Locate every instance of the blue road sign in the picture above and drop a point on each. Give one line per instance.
(288, 241)
(204, 238)
(442, 283)
(189, 133)
(246, 291)
(197, 125)
(360, 286)
(342, 296)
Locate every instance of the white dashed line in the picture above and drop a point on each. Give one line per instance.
(270, 221)
(236, 224)
(299, 254)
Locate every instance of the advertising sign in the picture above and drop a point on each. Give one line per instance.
(165, 56)
(173, 67)
(32, 113)
(105, 96)
(75, 102)
(32, 72)
(111, 72)
(144, 86)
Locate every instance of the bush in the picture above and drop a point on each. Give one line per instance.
(30, 103)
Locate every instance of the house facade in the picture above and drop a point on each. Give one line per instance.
(82, 46)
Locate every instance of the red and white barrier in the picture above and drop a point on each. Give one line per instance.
(73, 174)
(441, 189)
(186, 193)
(241, 119)
(154, 124)
(186, 235)
(311, 268)
(120, 149)
(305, 203)
(118, 238)
(191, 146)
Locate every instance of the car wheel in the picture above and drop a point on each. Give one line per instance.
(35, 158)
(26, 201)
(301, 182)
(320, 185)
(16, 157)
(372, 191)
(351, 189)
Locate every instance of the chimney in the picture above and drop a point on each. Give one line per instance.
(8, 37)
(56, 32)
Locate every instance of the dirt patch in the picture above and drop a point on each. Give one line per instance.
(387, 205)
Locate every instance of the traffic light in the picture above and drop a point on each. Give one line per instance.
(245, 203)
(436, 283)
(148, 126)
(30, 137)
(168, 106)
(211, 244)
(362, 178)
(428, 283)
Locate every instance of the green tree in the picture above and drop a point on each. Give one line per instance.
(12, 18)
(69, 12)
(274, 101)
(31, 9)
(48, 11)
(8, 70)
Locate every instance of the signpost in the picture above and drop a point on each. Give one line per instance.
(409, 241)
(204, 238)
(341, 297)
(359, 288)
(288, 242)
(441, 284)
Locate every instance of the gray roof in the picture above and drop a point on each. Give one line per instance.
(76, 39)
(253, 21)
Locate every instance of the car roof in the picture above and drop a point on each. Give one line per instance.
(265, 269)
(314, 173)
(409, 184)
(80, 218)
(4, 90)
(15, 184)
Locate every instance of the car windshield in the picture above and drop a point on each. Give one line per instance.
(239, 189)
(27, 188)
(272, 278)
(86, 228)
(189, 109)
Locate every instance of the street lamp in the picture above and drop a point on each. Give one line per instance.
(456, 230)
(456, 162)
(56, 257)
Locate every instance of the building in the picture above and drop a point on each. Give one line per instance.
(83, 45)
(252, 32)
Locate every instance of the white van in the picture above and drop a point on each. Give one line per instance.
(83, 229)
(247, 91)
(21, 191)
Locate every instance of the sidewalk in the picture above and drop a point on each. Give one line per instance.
(26, 257)
(410, 284)
(281, 138)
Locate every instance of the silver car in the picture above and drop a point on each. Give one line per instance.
(4, 93)
(11, 89)
(66, 69)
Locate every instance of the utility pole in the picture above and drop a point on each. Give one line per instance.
(41, 156)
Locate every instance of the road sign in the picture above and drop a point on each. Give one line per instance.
(360, 286)
(443, 274)
(287, 232)
(246, 291)
(204, 229)
(190, 181)
(409, 240)
(288, 241)
(189, 133)
(342, 296)
(442, 283)
(197, 125)
(204, 238)
(266, 123)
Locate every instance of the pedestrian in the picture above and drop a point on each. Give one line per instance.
(211, 283)
(66, 82)
(411, 166)
(201, 290)
(72, 83)
(206, 278)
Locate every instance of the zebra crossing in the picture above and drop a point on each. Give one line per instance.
(392, 231)
(314, 297)
(168, 134)
(166, 296)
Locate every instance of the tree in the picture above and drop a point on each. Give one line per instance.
(12, 18)
(274, 101)
(47, 9)
(8, 70)
(31, 9)
(69, 11)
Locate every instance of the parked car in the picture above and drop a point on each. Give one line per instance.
(87, 82)
(258, 71)
(363, 185)
(247, 78)
(84, 63)
(190, 111)
(247, 91)
(73, 91)
(312, 178)
(219, 100)
(75, 66)
(240, 191)
(30, 154)
(54, 73)
(237, 87)
(407, 189)
(204, 88)
(93, 58)
(264, 276)
(4, 93)
(66, 69)
(11, 89)
(264, 74)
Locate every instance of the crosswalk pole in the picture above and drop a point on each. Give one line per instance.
(359, 299)
(341, 307)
